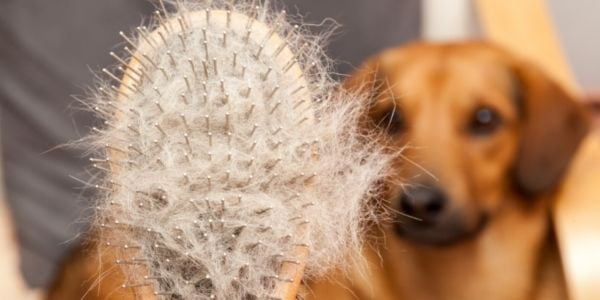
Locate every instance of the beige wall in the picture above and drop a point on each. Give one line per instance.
(578, 23)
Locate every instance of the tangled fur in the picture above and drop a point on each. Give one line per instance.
(216, 166)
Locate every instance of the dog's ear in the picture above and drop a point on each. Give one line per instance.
(553, 126)
(367, 79)
(371, 80)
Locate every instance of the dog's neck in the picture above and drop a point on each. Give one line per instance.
(502, 262)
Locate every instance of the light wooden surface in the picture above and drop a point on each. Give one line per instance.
(12, 284)
(577, 218)
(525, 27)
(283, 290)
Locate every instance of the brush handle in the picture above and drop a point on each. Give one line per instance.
(285, 290)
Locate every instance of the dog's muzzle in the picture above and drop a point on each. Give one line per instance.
(427, 216)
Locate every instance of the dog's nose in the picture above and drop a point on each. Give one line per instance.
(425, 203)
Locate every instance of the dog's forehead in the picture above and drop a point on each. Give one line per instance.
(476, 68)
(480, 51)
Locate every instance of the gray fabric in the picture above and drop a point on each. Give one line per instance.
(366, 26)
(47, 49)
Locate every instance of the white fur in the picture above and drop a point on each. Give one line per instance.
(194, 234)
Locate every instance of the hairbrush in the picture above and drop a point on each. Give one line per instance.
(232, 166)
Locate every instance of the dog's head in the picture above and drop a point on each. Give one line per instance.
(478, 126)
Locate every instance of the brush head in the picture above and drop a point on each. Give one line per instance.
(227, 156)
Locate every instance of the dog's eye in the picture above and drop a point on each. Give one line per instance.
(485, 121)
(392, 122)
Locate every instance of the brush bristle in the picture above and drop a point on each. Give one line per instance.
(218, 164)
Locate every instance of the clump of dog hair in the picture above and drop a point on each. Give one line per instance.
(215, 166)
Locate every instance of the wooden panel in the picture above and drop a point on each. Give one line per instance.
(525, 27)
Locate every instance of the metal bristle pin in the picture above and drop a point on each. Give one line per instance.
(209, 108)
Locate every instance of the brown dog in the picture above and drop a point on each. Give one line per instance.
(494, 135)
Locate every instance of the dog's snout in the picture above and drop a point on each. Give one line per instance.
(433, 218)
(425, 203)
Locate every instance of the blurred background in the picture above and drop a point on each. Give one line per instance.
(49, 51)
